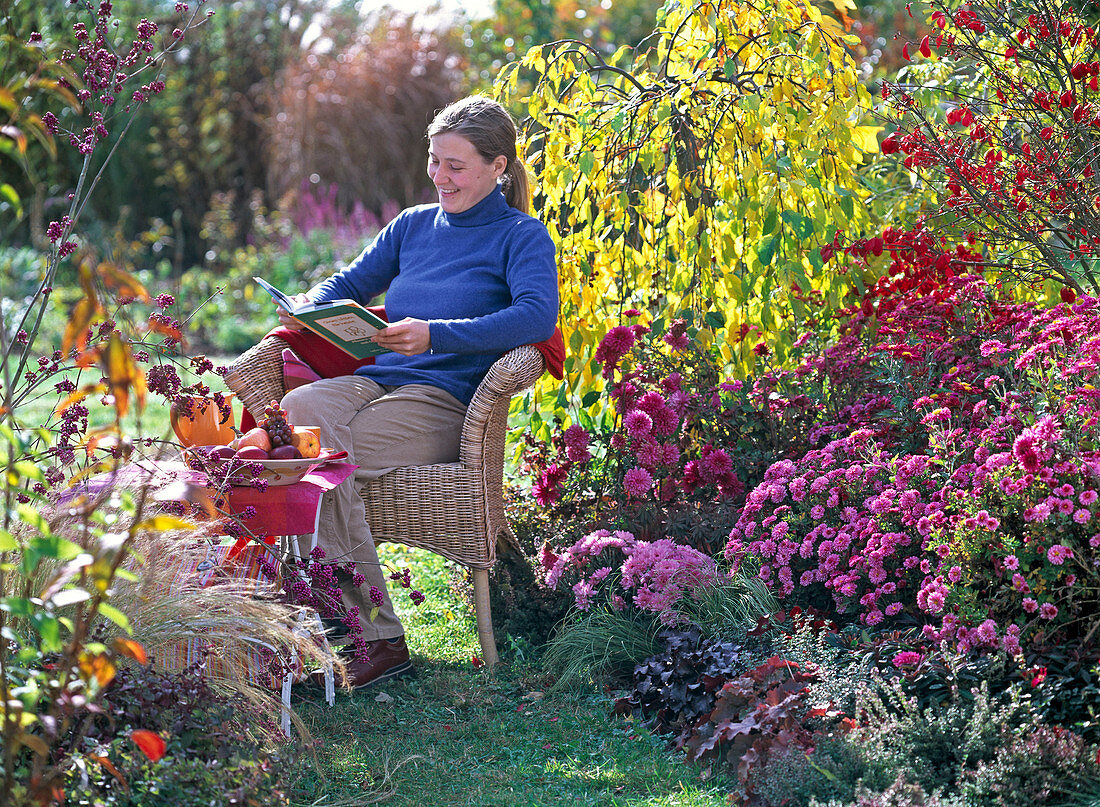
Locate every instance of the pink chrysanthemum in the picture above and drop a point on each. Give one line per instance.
(615, 344)
(638, 424)
(907, 658)
(677, 341)
(637, 482)
(1059, 554)
(714, 461)
(575, 436)
(1023, 449)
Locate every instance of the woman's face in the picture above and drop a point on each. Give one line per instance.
(461, 175)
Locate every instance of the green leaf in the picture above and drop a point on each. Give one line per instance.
(7, 541)
(587, 162)
(715, 319)
(766, 251)
(55, 547)
(32, 518)
(115, 615)
(18, 606)
(590, 398)
(770, 221)
(8, 193)
(802, 226)
(49, 631)
(28, 470)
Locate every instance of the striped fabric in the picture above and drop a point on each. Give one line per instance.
(206, 567)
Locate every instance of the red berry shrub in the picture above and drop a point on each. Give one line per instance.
(1003, 124)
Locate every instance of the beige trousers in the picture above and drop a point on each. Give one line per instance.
(381, 428)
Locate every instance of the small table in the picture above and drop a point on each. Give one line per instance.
(280, 509)
(287, 511)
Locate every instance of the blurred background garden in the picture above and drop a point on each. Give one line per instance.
(809, 519)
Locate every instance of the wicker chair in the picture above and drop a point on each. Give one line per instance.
(454, 509)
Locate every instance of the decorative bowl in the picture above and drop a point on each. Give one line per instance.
(287, 472)
(276, 472)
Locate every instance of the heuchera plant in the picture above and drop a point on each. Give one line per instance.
(760, 714)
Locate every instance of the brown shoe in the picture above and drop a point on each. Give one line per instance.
(389, 659)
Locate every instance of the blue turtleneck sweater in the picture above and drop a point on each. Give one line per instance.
(485, 280)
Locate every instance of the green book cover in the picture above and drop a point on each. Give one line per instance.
(344, 323)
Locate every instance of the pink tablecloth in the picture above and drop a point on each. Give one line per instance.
(280, 510)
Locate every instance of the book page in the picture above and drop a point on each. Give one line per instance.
(280, 299)
(347, 326)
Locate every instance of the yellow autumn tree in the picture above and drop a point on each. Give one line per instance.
(697, 175)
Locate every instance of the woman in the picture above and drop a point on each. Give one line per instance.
(466, 279)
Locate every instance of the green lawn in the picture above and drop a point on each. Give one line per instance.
(457, 735)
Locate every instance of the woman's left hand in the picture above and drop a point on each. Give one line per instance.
(407, 337)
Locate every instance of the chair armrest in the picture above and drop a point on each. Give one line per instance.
(256, 376)
(487, 415)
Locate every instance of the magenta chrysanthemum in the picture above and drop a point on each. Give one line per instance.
(637, 482)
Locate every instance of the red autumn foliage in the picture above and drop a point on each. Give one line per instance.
(1010, 152)
(150, 743)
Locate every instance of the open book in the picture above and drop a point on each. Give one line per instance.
(344, 323)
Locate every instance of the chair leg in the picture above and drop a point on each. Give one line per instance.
(484, 617)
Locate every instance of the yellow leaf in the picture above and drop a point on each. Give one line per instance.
(132, 649)
(122, 373)
(98, 666)
(865, 138)
(77, 396)
(76, 331)
(164, 523)
(16, 134)
(115, 277)
(33, 742)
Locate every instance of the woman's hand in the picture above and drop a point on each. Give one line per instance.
(407, 337)
(284, 317)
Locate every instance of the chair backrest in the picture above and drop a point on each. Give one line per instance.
(487, 415)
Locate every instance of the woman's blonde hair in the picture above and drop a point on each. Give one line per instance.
(491, 130)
